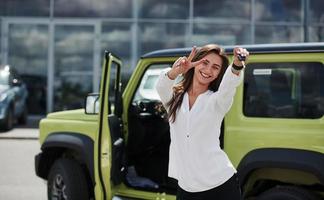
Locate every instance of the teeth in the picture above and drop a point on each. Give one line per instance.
(204, 75)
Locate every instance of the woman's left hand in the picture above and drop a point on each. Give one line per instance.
(239, 51)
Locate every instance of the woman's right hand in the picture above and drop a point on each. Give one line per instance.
(184, 64)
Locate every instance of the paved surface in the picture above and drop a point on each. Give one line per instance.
(17, 175)
(18, 179)
(28, 131)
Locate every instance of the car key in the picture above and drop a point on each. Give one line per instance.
(242, 59)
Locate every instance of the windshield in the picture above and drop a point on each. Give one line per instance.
(4, 77)
(151, 82)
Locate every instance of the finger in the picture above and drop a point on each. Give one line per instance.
(194, 64)
(239, 51)
(245, 53)
(192, 53)
(235, 50)
(177, 61)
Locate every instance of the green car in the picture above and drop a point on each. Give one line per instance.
(117, 147)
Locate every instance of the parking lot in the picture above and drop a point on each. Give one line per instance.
(17, 150)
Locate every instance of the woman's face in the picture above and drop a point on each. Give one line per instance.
(208, 70)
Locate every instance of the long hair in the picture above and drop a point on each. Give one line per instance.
(182, 87)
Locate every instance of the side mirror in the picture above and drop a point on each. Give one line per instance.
(92, 104)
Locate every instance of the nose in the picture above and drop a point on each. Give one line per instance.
(209, 68)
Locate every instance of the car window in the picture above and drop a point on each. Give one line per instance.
(150, 82)
(146, 89)
(112, 88)
(4, 77)
(284, 90)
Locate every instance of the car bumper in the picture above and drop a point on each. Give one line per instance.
(38, 170)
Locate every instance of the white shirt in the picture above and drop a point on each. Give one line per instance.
(195, 158)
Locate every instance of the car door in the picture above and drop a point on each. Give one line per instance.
(111, 141)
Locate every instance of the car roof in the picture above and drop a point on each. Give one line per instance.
(253, 49)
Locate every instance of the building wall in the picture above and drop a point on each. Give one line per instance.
(57, 45)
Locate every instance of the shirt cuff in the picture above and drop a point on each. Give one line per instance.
(231, 78)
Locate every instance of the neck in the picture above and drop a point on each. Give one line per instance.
(197, 88)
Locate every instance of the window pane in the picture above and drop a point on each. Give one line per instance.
(177, 9)
(24, 8)
(116, 38)
(98, 8)
(0, 41)
(112, 87)
(278, 10)
(73, 65)
(316, 14)
(278, 34)
(154, 36)
(316, 34)
(227, 9)
(204, 33)
(284, 90)
(147, 88)
(28, 52)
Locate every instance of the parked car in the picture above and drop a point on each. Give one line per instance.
(13, 98)
(119, 144)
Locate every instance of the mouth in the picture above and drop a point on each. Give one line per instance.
(204, 75)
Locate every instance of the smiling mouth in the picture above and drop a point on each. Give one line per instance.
(204, 75)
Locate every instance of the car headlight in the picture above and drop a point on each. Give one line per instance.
(3, 97)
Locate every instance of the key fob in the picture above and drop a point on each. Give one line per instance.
(241, 58)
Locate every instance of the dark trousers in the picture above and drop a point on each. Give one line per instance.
(230, 190)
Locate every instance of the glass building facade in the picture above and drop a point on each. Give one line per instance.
(57, 45)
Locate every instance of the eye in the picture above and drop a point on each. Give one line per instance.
(205, 63)
(216, 67)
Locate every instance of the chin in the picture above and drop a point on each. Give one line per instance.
(205, 82)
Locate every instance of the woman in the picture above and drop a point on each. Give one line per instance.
(196, 107)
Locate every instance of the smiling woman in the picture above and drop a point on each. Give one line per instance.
(196, 107)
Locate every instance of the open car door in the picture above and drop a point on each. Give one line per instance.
(110, 138)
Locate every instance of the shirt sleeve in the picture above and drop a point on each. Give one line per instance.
(223, 98)
(164, 87)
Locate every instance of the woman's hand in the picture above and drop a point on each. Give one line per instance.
(243, 53)
(183, 64)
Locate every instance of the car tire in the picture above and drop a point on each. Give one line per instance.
(66, 181)
(8, 121)
(287, 193)
(23, 117)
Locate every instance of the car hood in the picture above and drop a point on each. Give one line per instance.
(78, 114)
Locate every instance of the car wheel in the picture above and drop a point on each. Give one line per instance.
(66, 181)
(8, 120)
(287, 193)
(23, 117)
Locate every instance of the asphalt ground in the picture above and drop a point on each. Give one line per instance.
(29, 131)
(17, 172)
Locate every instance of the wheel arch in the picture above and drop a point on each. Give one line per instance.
(78, 145)
(297, 159)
